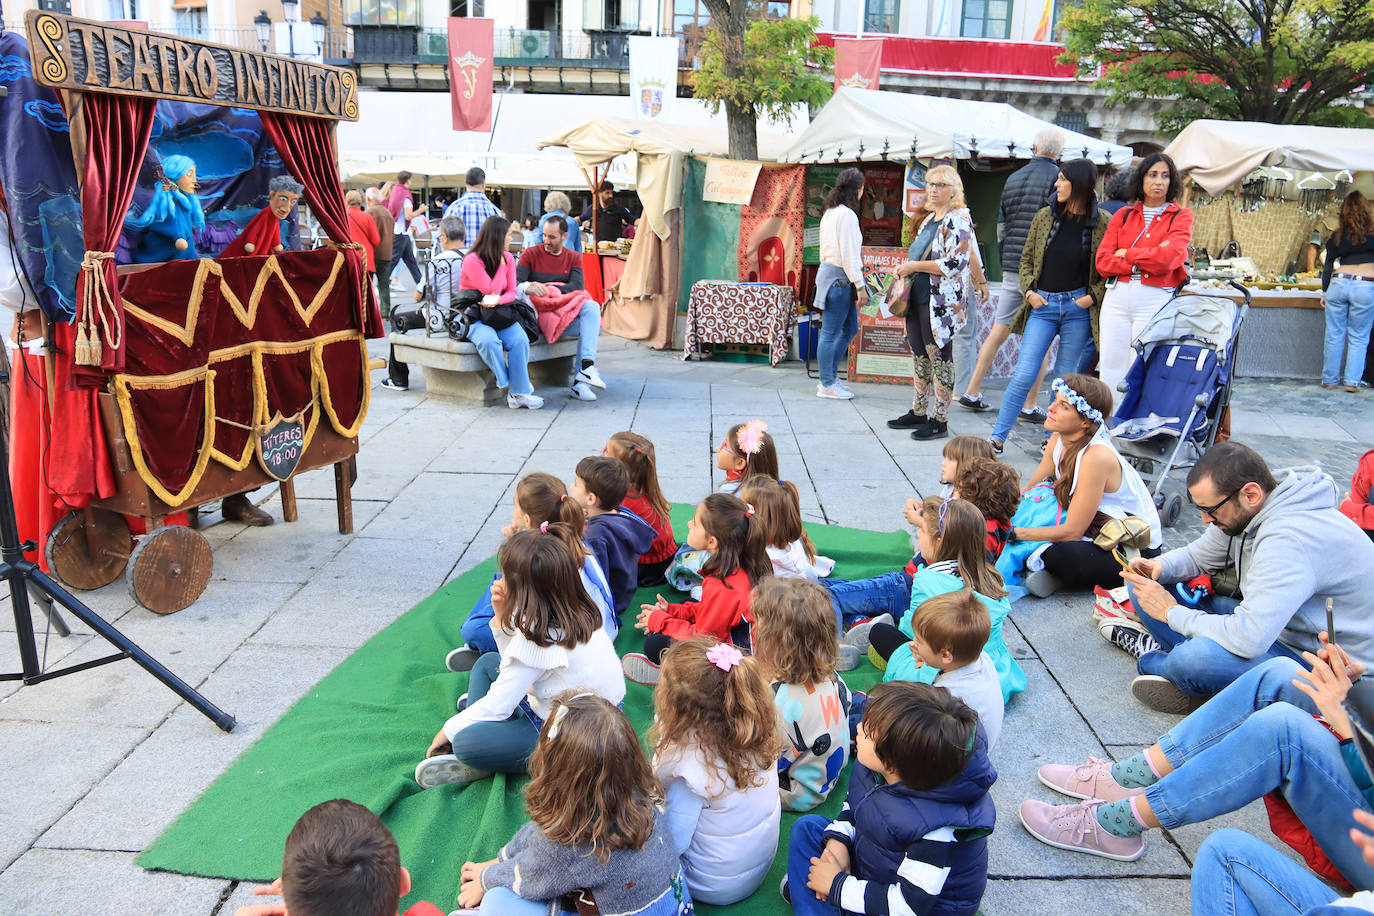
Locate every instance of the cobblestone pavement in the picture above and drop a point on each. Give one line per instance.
(94, 766)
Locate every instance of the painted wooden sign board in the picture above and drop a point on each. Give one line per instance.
(91, 56)
(280, 445)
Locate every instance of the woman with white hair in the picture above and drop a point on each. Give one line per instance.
(937, 304)
(556, 203)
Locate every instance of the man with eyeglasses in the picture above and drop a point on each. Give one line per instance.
(1292, 551)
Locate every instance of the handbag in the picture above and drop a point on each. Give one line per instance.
(911, 290)
(898, 294)
(1124, 537)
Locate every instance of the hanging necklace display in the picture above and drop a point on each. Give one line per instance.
(1315, 193)
(1343, 182)
(1251, 193)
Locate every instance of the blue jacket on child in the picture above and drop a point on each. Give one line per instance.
(886, 825)
(617, 539)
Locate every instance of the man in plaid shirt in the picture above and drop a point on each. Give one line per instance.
(473, 208)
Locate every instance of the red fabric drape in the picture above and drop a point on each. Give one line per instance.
(117, 131)
(305, 147)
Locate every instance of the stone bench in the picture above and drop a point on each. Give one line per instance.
(454, 372)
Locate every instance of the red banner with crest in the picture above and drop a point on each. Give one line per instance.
(470, 69)
(858, 62)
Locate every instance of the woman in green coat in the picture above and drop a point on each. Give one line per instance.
(1061, 287)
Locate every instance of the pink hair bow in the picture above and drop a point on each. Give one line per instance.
(724, 656)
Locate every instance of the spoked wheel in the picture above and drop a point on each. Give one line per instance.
(88, 556)
(169, 569)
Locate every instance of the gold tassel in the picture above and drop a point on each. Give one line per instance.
(97, 312)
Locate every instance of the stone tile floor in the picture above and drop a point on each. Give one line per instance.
(94, 766)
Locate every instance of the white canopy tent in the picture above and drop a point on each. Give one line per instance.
(659, 150)
(869, 125)
(1218, 154)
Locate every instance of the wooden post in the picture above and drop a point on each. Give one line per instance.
(287, 489)
(343, 495)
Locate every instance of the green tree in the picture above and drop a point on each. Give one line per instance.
(758, 67)
(1282, 61)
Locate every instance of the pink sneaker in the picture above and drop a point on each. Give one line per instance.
(1092, 780)
(1075, 828)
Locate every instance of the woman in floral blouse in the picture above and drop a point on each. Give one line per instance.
(938, 304)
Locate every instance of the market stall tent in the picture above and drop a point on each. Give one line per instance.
(870, 125)
(1218, 154)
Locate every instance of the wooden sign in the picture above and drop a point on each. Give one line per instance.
(280, 445)
(70, 53)
(730, 182)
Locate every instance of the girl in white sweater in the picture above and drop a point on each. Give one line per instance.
(550, 637)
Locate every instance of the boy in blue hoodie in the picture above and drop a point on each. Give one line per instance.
(912, 836)
(615, 535)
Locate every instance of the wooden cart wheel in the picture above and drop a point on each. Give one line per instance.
(83, 558)
(169, 569)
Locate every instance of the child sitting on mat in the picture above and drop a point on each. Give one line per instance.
(796, 645)
(551, 637)
(777, 511)
(539, 498)
(595, 841)
(617, 539)
(715, 739)
(724, 528)
(339, 858)
(645, 499)
(747, 451)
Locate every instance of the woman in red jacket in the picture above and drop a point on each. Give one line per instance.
(490, 270)
(1145, 256)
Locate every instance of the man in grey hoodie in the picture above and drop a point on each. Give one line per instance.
(1292, 551)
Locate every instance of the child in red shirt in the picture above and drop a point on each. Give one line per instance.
(645, 499)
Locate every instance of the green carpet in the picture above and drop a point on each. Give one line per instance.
(359, 733)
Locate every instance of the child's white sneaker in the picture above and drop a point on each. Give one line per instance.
(858, 635)
(446, 770)
(849, 657)
(639, 669)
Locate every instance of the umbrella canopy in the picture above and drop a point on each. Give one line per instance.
(1218, 154)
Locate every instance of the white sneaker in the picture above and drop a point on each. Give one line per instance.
(531, 401)
(583, 391)
(446, 770)
(859, 633)
(640, 670)
(591, 377)
(835, 392)
(849, 657)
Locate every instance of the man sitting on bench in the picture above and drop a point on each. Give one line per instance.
(550, 276)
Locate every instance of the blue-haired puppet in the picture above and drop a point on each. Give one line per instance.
(171, 218)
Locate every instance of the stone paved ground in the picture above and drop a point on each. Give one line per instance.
(94, 766)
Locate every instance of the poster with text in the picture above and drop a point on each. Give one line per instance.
(881, 216)
(819, 180)
(880, 352)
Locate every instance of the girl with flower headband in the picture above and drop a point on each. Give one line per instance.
(1092, 483)
(551, 638)
(724, 527)
(540, 499)
(747, 451)
(595, 832)
(716, 743)
(645, 498)
(953, 541)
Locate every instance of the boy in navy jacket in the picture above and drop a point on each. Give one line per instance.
(912, 837)
(615, 535)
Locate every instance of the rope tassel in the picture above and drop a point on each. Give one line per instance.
(97, 315)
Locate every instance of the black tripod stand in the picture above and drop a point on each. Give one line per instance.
(24, 576)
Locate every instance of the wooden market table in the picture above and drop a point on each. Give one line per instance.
(724, 312)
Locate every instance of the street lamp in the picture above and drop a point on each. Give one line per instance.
(317, 28)
(288, 11)
(263, 22)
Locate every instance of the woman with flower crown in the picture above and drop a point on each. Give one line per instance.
(1092, 484)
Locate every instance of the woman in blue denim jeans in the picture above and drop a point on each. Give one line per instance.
(1349, 294)
(1256, 736)
(1061, 287)
(840, 290)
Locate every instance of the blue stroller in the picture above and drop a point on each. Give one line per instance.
(1177, 388)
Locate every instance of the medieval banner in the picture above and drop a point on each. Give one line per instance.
(653, 76)
(470, 68)
(858, 61)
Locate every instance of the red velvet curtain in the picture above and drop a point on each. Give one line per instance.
(117, 131)
(305, 147)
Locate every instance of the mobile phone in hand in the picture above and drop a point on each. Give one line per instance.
(1330, 623)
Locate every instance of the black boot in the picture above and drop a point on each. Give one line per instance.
(932, 429)
(909, 420)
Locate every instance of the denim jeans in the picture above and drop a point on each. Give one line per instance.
(501, 747)
(506, 353)
(586, 327)
(1238, 875)
(966, 349)
(1235, 749)
(805, 842)
(1198, 666)
(839, 324)
(403, 249)
(1349, 316)
(1059, 317)
(477, 628)
(855, 599)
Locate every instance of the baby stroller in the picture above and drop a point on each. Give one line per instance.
(1177, 388)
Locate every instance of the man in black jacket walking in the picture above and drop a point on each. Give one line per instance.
(1026, 191)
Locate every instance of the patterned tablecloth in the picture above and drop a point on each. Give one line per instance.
(740, 313)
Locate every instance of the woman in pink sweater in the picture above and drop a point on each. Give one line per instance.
(490, 270)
